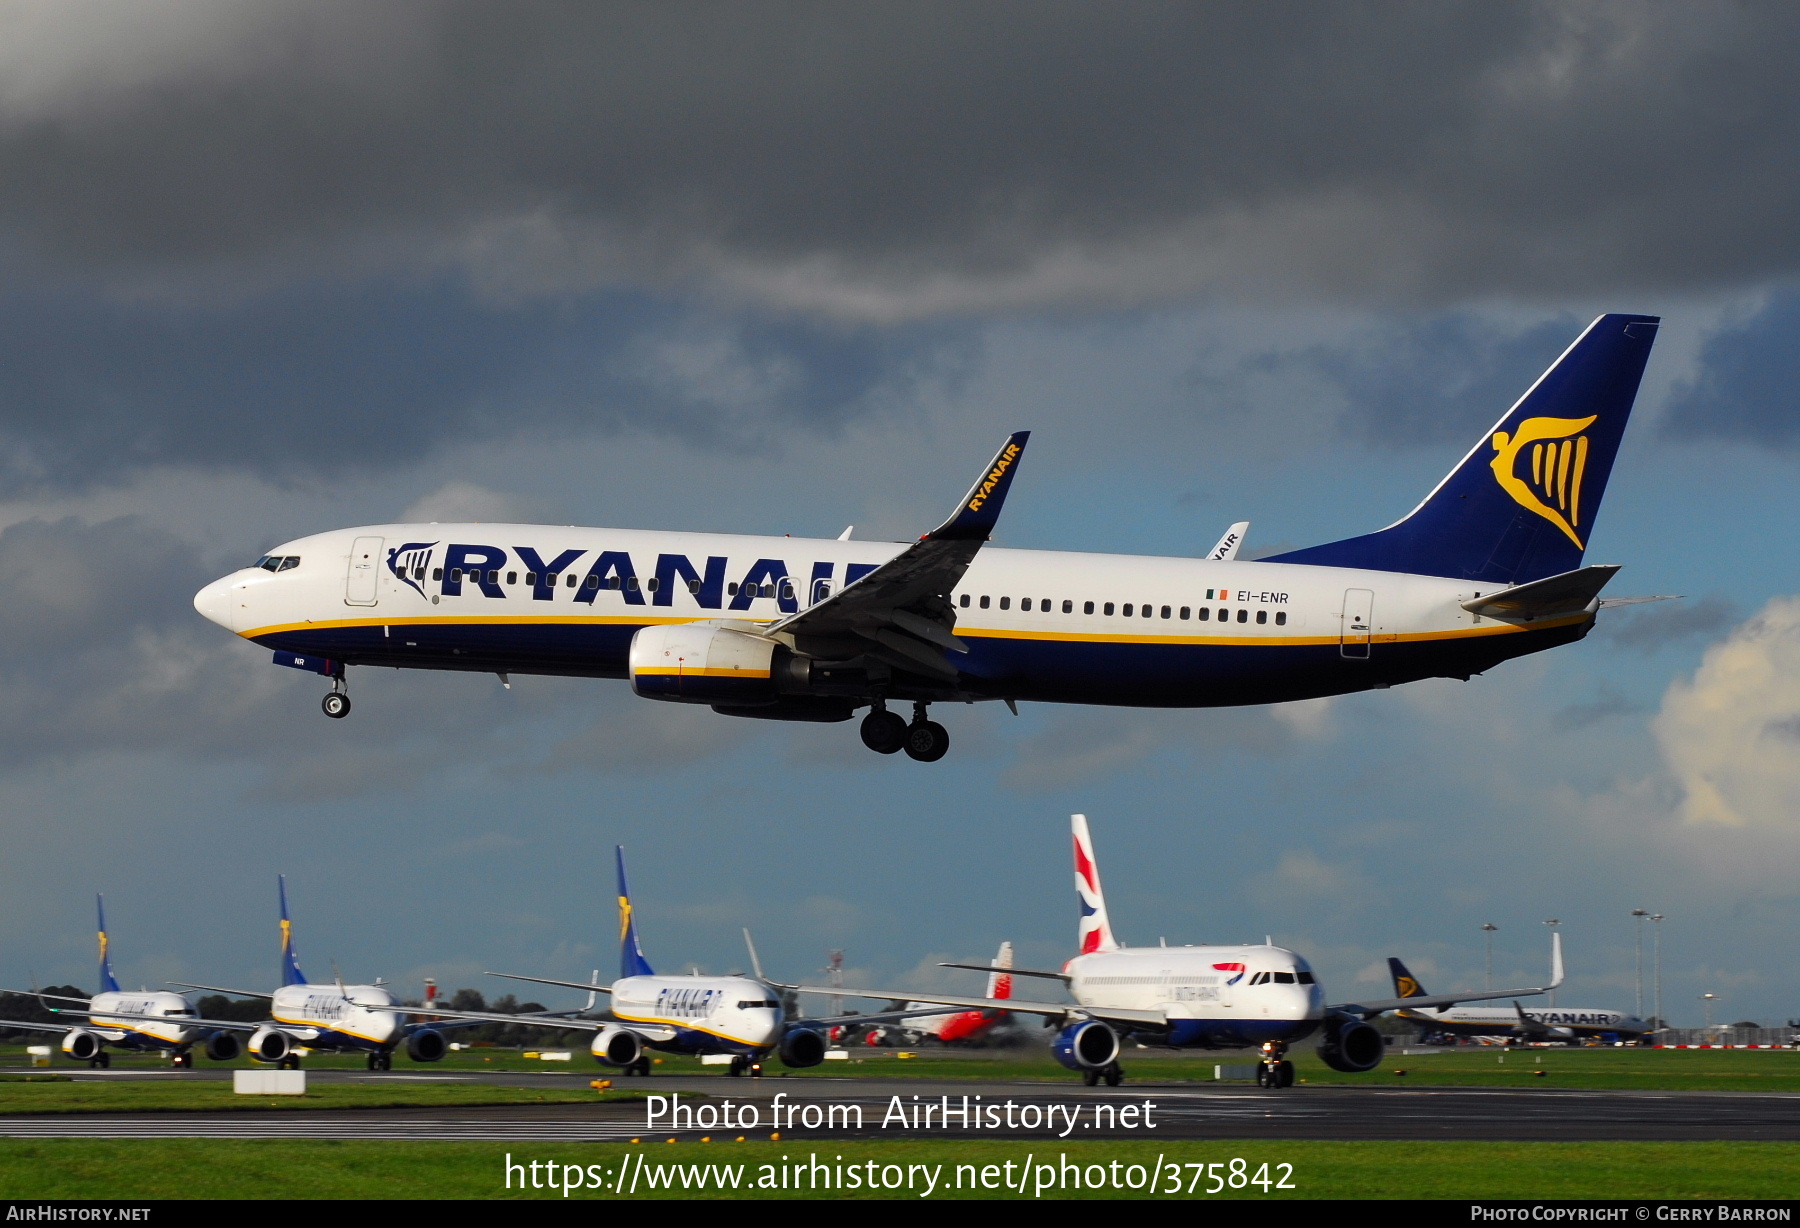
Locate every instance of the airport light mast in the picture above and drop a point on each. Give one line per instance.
(1709, 998)
(1488, 928)
(1656, 920)
(1638, 915)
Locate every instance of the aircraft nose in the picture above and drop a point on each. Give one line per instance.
(214, 602)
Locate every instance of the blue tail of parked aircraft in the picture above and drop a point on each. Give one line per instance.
(108, 982)
(631, 955)
(1406, 985)
(1522, 503)
(290, 962)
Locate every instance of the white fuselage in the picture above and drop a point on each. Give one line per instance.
(700, 1014)
(105, 1009)
(1053, 625)
(1499, 1021)
(329, 1016)
(1212, 996)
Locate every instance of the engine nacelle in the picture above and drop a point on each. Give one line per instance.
(270, 1045)
(801, 1047)
(1088, 1045)
(427, 1045)
(703, 663)
(1350, 1045)
(617, 1046)
(82, 1045)
(223, 1047)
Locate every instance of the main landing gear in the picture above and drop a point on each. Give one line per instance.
(641, 1067)
(1112, 1076)
(1275, 1071)
(290, 1062)
(884, 733)
(100, 1061)
(381, 1061)
(337, 703)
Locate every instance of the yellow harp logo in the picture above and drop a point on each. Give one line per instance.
(287, 934)
(1408, 987)
(624, 917)
(1555, 451)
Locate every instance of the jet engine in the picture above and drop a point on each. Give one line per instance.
(801, 1047)
(1350, 1045)
(427, 1045)
(703, 663)
(223, 1047)
(82, 1045)
(617, 1046)
(1088, 1045)
(270, 1044)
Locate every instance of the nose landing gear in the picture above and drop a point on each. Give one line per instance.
(1275, 1071)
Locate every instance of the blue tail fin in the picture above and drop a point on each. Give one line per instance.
(631, 955)
(108, 982)
(1406, 985)
(1521, 505)
(290, 962)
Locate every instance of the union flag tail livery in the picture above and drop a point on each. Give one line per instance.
(1095, 932)
(1487, 568)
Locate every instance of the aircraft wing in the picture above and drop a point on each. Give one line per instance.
(235, 993)
(1377, 1006)
(1552, 597)
(544, 980)
(1048, 976)
(900, 612)
(34, 1027)
(40, 996)
(1017, 1005)
(547, 1021)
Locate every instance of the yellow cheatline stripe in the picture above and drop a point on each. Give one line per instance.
(512, 620)
(682, 672)
(686, 1027)
(331, 1027)
(140, 1030)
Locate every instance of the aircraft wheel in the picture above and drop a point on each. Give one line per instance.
(1090, 1078)
(883, 732)
(1115, 1075)
(183, 1061)
(374, 1061)
(927, 741)
(736, 1068)
(1285, 1074)
(336, 705)
(642, 1066)
(100, 1061)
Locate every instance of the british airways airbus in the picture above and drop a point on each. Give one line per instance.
(1488, 567)
(1194, 997)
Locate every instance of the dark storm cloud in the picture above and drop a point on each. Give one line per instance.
(1647, 628)
(341, 378)
(908, 158)
(1749, 384)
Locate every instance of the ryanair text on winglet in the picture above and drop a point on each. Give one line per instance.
(993, 478)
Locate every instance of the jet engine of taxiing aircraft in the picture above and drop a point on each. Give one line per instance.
(617, 1046)
(271, 1045)
(223, 1047)
(1087, 1045)
(427, 1045)
(801, 1047)
(1350, 1045)
(82, 1045)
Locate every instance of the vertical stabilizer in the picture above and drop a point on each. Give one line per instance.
(1521, 505)
(631, 954)
(108, 982)
(1000, 980)
(1406, 985)
(1095, 933)
(290, 961)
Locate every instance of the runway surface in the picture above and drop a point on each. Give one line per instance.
(1184, 1111)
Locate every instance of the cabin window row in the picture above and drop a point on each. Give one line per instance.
(1130, 610)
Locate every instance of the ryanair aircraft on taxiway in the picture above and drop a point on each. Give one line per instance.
(1488, 567)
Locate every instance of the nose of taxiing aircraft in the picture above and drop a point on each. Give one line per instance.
(214, 602)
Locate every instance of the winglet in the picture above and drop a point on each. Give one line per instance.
(290, 960)
(108, 982)
(631, 954)
(1556, 960)
(1228, 545)
(755, 963)
(979, 511)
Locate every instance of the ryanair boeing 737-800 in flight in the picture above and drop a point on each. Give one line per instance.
(1488, 567)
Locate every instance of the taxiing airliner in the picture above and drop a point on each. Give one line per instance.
(1569, 1024)
(1488, 567)
(739, 1016)
(153, 1021)
(334, 1018)
(1194, 997)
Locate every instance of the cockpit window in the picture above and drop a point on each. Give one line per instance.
(278, 562)
(1284, 978)
(1306, 978)
(767, 1003)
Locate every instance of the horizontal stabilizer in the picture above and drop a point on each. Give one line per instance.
(1613, 603)
(1552, 597)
